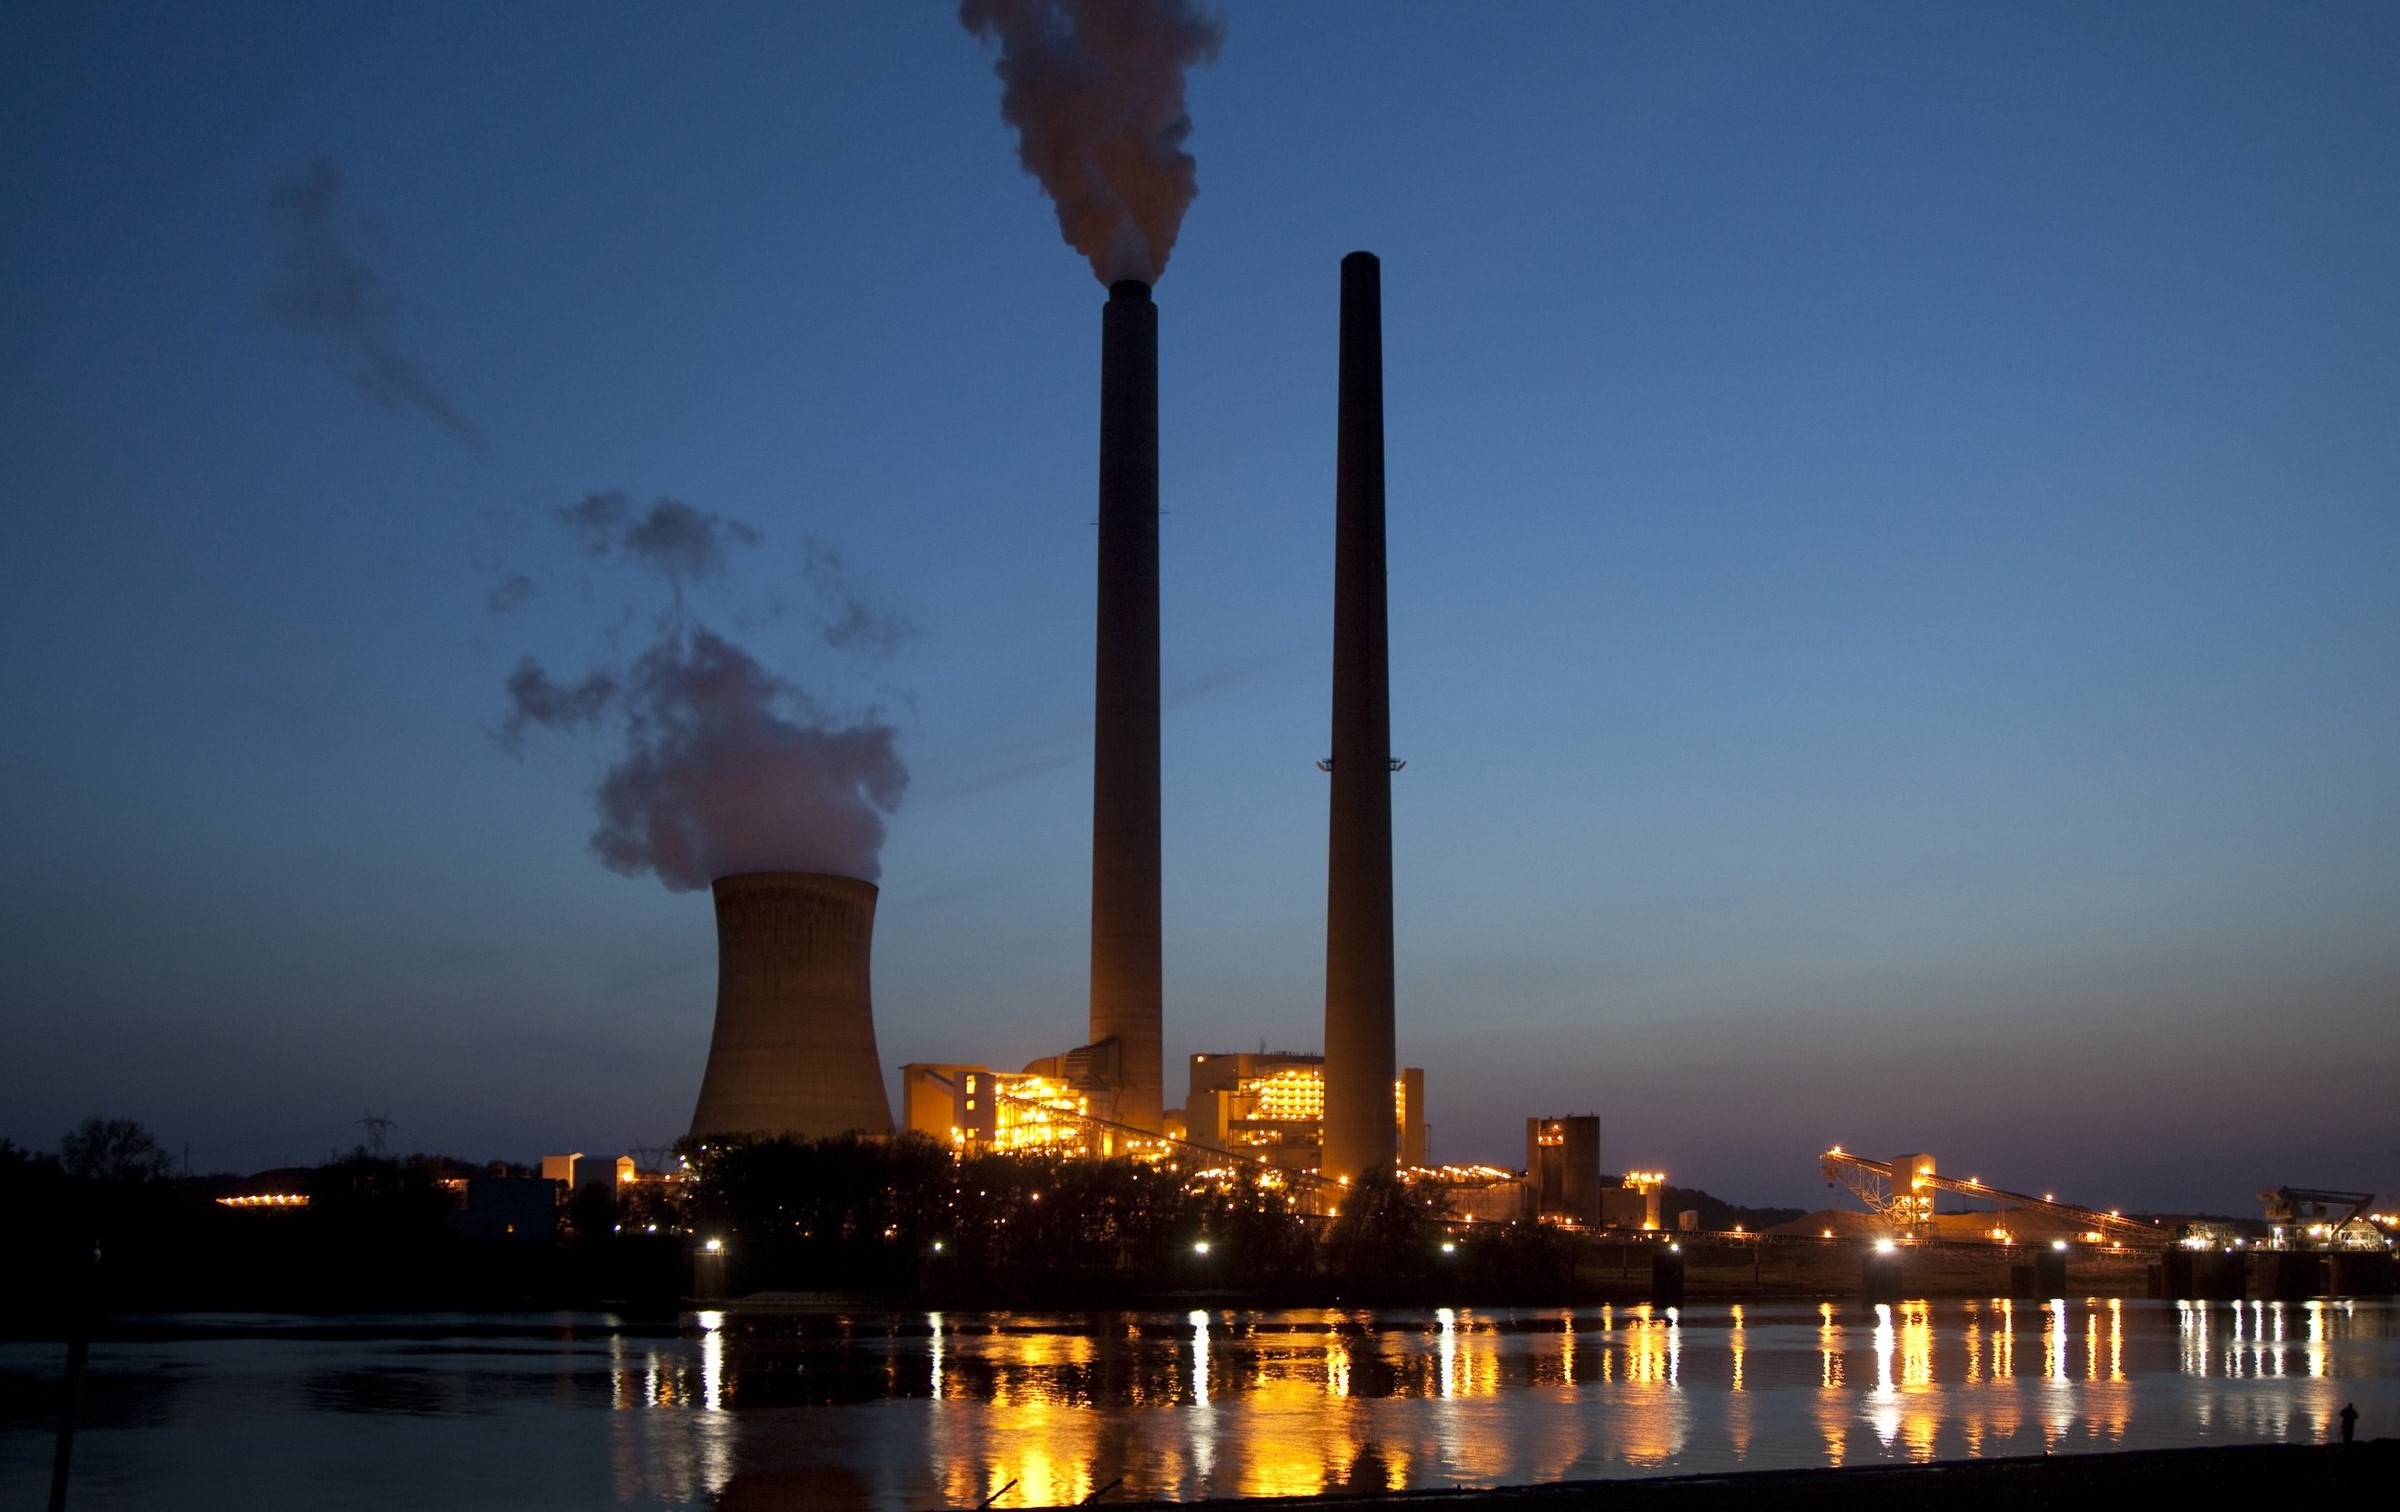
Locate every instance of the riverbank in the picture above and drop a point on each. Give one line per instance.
(2267, 1474)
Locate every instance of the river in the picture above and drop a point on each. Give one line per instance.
(916, 1410)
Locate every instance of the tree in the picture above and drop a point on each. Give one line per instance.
(113, 1150)
(1379, 1241)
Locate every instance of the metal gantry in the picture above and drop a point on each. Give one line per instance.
(2313, 1218)
(1904, 1199)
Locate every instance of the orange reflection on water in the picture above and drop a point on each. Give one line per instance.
(2191, 1338)
(1199, 1322)
(1446, 1324)
(1884, 1401)
(1833, 1421)
(1047, 1451)
(712, 1361)
(1916, 1344)
(1738, 1407)
(1921, 1418)
(1653, 1346)
(671, 1457)
(1829, 1348)
(1303, 1405)
(939, 1381)
(2054, 1339)
(2059, 1417)
(1739, 1346)
(1289, 1445)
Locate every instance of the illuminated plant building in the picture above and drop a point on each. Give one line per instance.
(1562, 1167)
(1055, 1105)
(1271, 1107)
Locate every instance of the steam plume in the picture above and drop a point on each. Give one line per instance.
(849, 621)
(1095, 90)
(325, 290)
(726, 767)
(509, 595)
(683, 544)
(717, 779)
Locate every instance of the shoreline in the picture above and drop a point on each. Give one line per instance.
(660, 1318)
(2277, 1473)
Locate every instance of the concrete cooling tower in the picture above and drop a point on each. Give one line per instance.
(794, 1047)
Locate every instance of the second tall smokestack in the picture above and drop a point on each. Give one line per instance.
(1127, 978)
(1360, 1056)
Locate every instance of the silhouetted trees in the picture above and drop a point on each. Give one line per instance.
(1381, 1238)
(113, 1150)
(906, 1216)
(893, 1218)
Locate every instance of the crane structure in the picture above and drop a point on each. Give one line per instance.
(2309, 1218)
(1901, 1192)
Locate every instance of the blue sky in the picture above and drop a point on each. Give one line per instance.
(1893, 564)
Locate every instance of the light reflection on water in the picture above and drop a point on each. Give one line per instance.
(946, 1409)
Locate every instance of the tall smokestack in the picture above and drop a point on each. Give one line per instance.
(794, 1048)
(1127, 979)
(1360, 1057)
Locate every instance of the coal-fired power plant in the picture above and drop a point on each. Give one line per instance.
(794, 1047)
(1127, 978)
(1360, 1055)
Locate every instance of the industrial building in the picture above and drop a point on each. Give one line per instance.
(1271, 1107)
(1562, 1167)
(977, 1108)
(794, 1046)
(1060, 1104)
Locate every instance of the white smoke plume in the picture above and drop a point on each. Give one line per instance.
(1095, 89)
(848, 620)
(326, 291)
(726, 766)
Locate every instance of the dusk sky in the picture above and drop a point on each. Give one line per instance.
(1895, 563)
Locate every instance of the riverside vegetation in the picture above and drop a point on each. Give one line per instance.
(897, 1220)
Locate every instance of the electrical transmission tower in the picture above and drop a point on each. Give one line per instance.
(377, 1125)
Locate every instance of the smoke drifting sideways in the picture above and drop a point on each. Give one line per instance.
(324, 290)
(1095, 89)
(725, 766)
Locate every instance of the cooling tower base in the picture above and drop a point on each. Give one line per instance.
(794, 1047)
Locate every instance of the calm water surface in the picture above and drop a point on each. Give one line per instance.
(929, 1410)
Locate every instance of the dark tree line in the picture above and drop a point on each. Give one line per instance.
(906, 1217)
(898, 1219)
(106, 1223)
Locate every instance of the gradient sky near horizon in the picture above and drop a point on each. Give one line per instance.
(1895, 563)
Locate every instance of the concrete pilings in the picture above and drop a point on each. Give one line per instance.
(1882, 1277)
(2041, 1274)
(2286, 1275)
(2215, 1275)
(1666, 1278)
(2359, 1273)
(2050, 1272)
